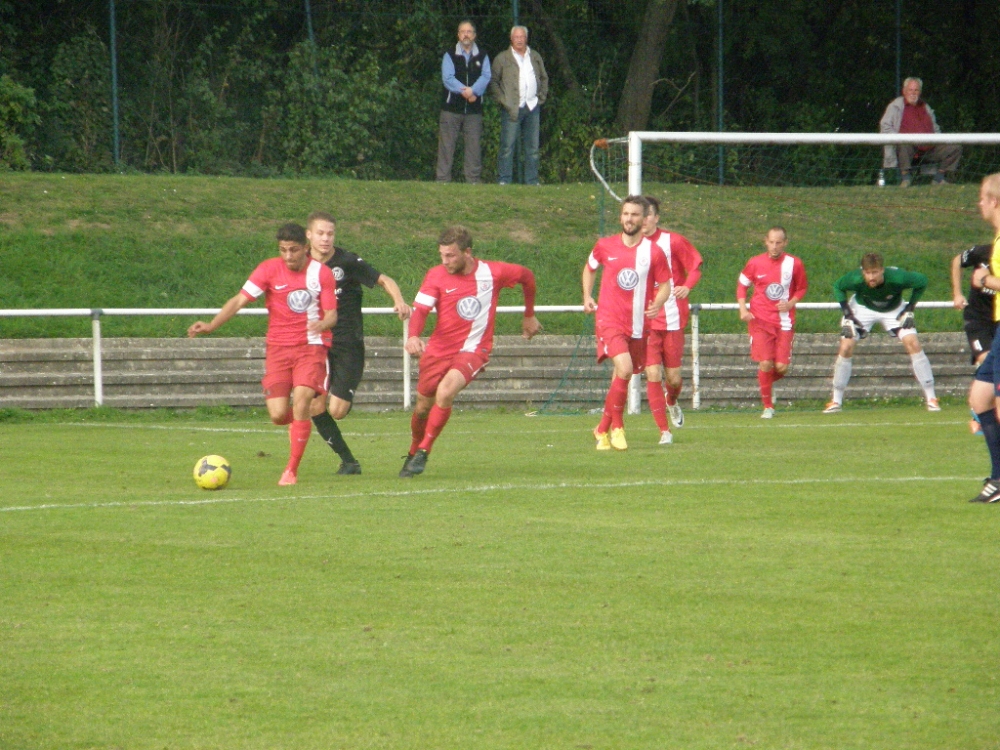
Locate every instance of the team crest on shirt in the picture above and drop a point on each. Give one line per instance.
(299, 300)
(338, 273)
(628, 279)
(774, 292)
(468, 308)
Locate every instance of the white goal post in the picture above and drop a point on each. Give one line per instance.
(636, 140)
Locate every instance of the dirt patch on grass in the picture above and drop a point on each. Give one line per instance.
(79, 224)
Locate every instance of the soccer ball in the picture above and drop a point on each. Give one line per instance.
(212, 472)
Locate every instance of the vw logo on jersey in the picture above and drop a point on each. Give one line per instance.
(338, 273)
(628, 279)
(469, 308)
(299, 300)
(774, 292)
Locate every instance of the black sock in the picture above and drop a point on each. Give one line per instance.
(330, 432)
(991, 432)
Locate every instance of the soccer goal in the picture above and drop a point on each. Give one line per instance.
(624, 165)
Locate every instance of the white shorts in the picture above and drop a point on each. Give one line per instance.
(887, 319)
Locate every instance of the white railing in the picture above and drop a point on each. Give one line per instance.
(635, 393)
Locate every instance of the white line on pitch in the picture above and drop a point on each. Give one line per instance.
(482, 489)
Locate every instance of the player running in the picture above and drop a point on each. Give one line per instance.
(464, 290)
(627, 304)
(346, 357)
(665, 343)
(878, 298)
(779, 283)
(301, 300)
(984, 395)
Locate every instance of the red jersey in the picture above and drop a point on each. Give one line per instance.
(467, 305)
(293, 300)
(685, 270)
(626, 282)
(773, 280)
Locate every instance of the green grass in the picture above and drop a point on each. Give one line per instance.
(148, 241)
(813, 582)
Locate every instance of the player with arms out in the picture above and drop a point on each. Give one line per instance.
(627, 302)
(301, 300)
(778, 283)
(878, 298)
(665, 344)
(984, 395)
(347, 352)
(464, 290)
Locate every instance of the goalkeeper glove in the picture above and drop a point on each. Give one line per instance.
(905, 319)
(851, 328)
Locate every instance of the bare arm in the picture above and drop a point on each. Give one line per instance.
(589, 276)
(656, 304)
(398, 303)
(326, 323)
(233, 306)
(958, 299)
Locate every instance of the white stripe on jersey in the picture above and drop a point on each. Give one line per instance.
(642, 261)
(744, 281)
(252, 289)
(787, 265)
(484, 293)
(313, 312)
(671, 311)
(425, 299)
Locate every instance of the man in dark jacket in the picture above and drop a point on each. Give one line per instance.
(465, 73)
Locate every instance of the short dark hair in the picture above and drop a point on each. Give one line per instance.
(654, 204)
(320, 216)
(456, 235)
(871, 261)
(777, 228)
(639, 201)
(292, 232)
(465, 21)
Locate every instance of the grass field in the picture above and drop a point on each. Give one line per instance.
(179, 242)
(810, 582)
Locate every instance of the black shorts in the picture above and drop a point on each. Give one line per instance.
(347, 365)
(980, 335)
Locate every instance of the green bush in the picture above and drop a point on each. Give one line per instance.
(17, 121)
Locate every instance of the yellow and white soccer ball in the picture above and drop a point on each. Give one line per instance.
(212, 472)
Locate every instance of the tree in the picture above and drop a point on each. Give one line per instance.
(644, 67)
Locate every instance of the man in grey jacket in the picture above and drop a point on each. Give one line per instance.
(520, 85)
(911, 114)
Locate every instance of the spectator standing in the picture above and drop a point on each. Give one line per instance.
(465, 73)
(779, 283)
(911, 114)
(520, 85)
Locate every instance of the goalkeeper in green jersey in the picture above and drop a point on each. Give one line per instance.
(878, 298)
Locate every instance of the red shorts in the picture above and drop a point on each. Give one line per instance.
(611, 342)
(665, 348)
(768, 343)
(433, 370)
(287, 367)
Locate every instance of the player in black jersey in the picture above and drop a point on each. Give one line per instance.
(347, 354)
(977, 309)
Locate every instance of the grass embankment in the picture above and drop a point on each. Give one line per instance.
(141, 241)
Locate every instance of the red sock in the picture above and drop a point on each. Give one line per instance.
(614, 403)
(674, 393)
(657, 404)
(436, 421)
(298, 437)
(764, 377)
(418, 426)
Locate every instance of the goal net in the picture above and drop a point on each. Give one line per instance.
(623, 165)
